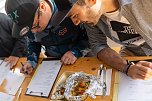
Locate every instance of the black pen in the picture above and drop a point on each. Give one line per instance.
(23, 68)
(2, 62)
(100, 71)
(22, 64)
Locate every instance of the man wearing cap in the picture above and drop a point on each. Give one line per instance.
(32, 18)
(129, 19)
(11, 48)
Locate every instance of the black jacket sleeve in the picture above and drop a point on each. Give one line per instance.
(10, 45)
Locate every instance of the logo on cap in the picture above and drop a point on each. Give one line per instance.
(24, 31)
(14, 16)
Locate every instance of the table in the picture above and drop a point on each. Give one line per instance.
(88, 65)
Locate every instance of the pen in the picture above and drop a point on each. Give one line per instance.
(101, 66)
(22, 64)
(100, 71)
(23, 68)
(2, 61)
(19, 93)
(104, 81)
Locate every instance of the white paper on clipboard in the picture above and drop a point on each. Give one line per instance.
(134, 90)
(44, 78)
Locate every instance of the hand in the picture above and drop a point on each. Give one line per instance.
(68, 58)
(141, 70)
(12, 60)
(27, 68)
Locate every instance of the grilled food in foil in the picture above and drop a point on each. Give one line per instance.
(78, 86)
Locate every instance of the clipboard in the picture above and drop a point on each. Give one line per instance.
(44, 78)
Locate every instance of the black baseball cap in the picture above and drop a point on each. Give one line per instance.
(22, 13)
(63, 8)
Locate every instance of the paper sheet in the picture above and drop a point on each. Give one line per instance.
(6, 97)
(108, 82)
(14, 81)
(4, 70)
(134, 90)
(44, 78)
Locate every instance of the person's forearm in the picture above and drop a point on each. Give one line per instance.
(34, 49)
(111, 58)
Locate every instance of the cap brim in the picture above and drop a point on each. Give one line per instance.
(58, 17)
(17, 29)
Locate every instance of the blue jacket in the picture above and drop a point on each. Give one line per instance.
(57, 41)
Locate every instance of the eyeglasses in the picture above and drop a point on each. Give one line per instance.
(37, 25)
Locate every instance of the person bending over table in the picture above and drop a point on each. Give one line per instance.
(65, 41)
(10, 47)
(129, 19)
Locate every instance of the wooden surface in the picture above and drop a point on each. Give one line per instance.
(87, 65)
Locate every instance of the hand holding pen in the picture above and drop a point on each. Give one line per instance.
(26, 68)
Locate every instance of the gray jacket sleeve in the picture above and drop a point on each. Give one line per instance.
(97, 38)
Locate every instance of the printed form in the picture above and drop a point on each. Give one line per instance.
(4, 70)
(44, 78)
(134, 90)
(14, 81)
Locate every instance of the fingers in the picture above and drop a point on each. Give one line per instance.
(11, 65)
(145, 63)
(8, 62)
(30, 70)
(11, 61)
(140, 71)
(73, 61)
(65, 60)
(142, 77)
(27, 69)
(68, 61)
(68, 58)
(144, 69)
(139, 77)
